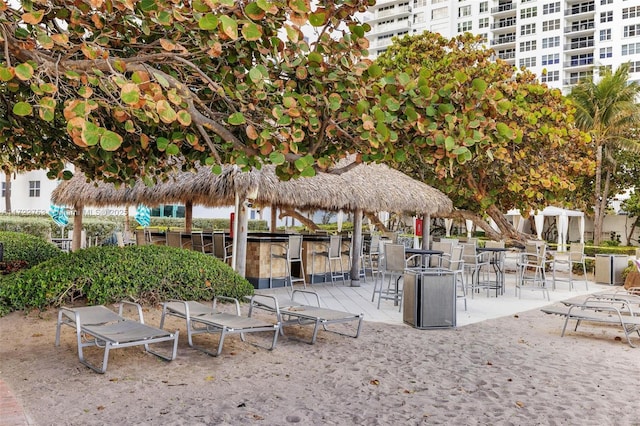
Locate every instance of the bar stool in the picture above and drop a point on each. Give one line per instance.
(291, 253)
(332, 254)
(221, 249)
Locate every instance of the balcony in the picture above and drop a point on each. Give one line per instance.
(579, 63)
(503, 40)
(581, 46)
(503, 9)
(503, 25)
(583, 27)
(581, 9)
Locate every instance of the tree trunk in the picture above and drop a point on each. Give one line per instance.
(303, 219)
(598, 211)
(7, 193)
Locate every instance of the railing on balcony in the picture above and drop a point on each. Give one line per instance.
(505, 7)
(506, 23)
(582, 44)
(583, 26)
(503, 40)
(580, 8)
(581, 62)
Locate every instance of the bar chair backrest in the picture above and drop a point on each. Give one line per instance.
(335, 247)
(295, 247)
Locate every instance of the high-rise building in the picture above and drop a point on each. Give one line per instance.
(562, 42)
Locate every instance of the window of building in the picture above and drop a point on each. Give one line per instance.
(34, 188)
(634, 66)
(581, 42)
(606, 52)
(438, 1)
(483, 23)
(551, 8)
(631, 30)
(554, 58)
(528, 62)
(484, 37)
(529, 12)
(484, 6)
(464, 26)
(464, 11)
(581, 60)
(168, 210)
(576, 77)
(605, 35)
(606, 16)
(550, 76)
(551, 25)
(420, 3)
(630, 49)
(507, 54)
(631, 12)
(440, 13)
(528, 29)
(550, 42)
(606, 1)
(527, 46)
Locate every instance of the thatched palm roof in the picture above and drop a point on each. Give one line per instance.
(370, 187)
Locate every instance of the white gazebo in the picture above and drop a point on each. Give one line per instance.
(562, 217)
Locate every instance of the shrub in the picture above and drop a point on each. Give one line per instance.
(31, 249)
(145, 274)
(37, 226)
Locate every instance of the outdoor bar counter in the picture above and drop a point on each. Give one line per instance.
(259, 253)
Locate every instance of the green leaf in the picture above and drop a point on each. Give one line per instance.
(91, 133)
(110, 141)
(375, 71)
(504, 130)
(449, 143)
(229, 27)
(392, 104)
(315, 58)
(24, 71)
(308, 172)
(162, 143)
(172, 149)
(6, 74)
(22, 109)
(255, 75)
(236, 119)
(460, 76)
(251, 32)
(317, 19)
(480, 85)
(400, 155)
(445, 108)
(276, 158)
(130, 94)
(208, 22)
(161, 80)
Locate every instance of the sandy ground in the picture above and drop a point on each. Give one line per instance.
(513, 370)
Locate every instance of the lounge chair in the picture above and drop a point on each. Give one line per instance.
(101, 327)
(201, 318)
(290, 312)
(604, 309)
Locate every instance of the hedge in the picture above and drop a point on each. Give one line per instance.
(99, 275)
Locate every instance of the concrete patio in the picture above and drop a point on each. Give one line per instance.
(342, 296)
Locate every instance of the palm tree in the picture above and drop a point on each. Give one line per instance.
(608, 110)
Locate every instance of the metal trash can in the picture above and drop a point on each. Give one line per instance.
(429, 300)
(609, 267)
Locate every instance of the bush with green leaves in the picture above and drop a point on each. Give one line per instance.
(99, 275)
(31, 249)
(38, 226)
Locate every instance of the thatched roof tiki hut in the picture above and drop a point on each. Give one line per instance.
(363, 188)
